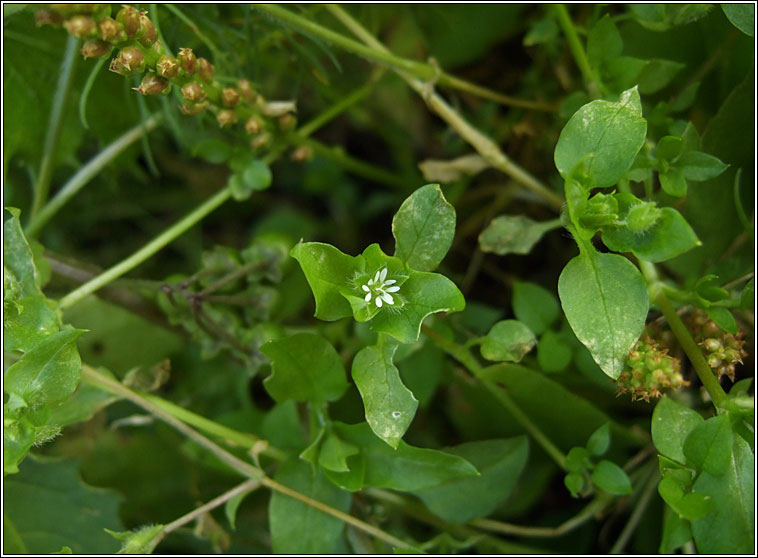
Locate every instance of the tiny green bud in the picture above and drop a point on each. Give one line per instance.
(229, 97)
(95, 48)
(712, 345)
(187, 60)
(226, 117)
(153, 85)
(130, 61)
(205, 69)
(110, 30)
(642, 216)
(253, 125)
(81, 26)
(193, 92)
(128, 16)
(190, 108)
(714, 361)
(260, 141)
(167, 67)
(246, 90)
(148, 30)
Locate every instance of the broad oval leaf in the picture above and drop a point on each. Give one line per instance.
(424, 228)
(535, 306)
(708, 447)
(605, 301)
(610, 134)
(671, 424)
(513, 234)
(390, 406)
(508, 340)
(611, 478)
(18, 257)
(305, 368)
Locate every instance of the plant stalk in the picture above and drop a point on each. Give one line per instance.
(594, 85)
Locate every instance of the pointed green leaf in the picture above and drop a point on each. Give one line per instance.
(535, 306)
(671, 424)
(508, 340)
(327, 270)
(609, 133)
(611, 478)
(657, 74)
(603, 42)
(687, 505)
(47, 506)
(742, 16)
(499, 462)
(232, 505)
(424, 228)
(673, 182)
(723, 318)
(296, 527)
(26, 322)
(305, 367)
(18, 257)
(699, 166)
(513, 234)
(334, 454)
(390, 406)
(708, 447)
(18, 439)
(407, 468)
(605, 301)
(49, 373)
(553, 352)
(600, 440)
(676, 532)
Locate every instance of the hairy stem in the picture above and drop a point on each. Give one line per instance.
(87, 172)
(463, 356)
(42, 186)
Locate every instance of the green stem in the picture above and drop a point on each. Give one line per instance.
(466, 358)
(217, 55)
(87, 88)
(637, 513)
(418, 69)
(87, 172)
(42, 187)
(146, 251)
(694, 354)
(594, 86)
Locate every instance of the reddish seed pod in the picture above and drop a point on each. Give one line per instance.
(130, 61)
(81, 26)
(193, 92)
(95, 48)
(187, 60)
(229, 97)
(128, 16)
(153, 85)
(148, 30)
(205, 69)
(226, 117)
(246, 90)
(167, 67)
(110, 30)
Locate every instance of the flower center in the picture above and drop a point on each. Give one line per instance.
(379, 288)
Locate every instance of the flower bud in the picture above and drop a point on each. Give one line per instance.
(153, 85)
(287, 122)
(302, 154)
(260, 141)
(81, 26)
(110, 30)
(47, 17)
(130, 61)
(712, 345)
(253, 125)
(190, 108)
(714, 361)
(193, 92)
(226, 117)
(128, 16)
(643, 216)
(205, 69)
(148, 30)
(229, 97)
(187, 60)
(167, 67)
(95, 48)
(246, 90)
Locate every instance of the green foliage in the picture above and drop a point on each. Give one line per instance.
(508, 340)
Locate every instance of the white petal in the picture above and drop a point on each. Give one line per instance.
(376, 277)
(367, 298)
(388, 298)
(392, 289)
(390, 282)
(378, 302)
(383, 275)
(365, 288)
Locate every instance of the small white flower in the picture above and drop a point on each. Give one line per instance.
(379, 288)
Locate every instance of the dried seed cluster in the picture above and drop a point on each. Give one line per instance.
(649, 370)
(723, 351)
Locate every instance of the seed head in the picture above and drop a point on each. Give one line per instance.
(226, 117)
(229, 97)
(81, 26)
(246, 90)
(130, 61)
(95, 48)
(153, 85)
(148, 30)
(111, 31)
(167, 67)
(205, 69)
(193, 92)
(253, 125)
(128, 16)
(190, 108)
(187, 60)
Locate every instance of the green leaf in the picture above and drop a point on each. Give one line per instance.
(47, 506)
(390, 406)
(508, 340)
(669, 147)
(730, 527)
(513, 234)
(424, 294)
(742, 16)
(327, 270)
(232, 505)
(676, 532)
(687, 505)
(553, 354)
(610, 477)
(578, 459)
(213, 150)
(747, 298)
(669, 235)
(18, 439)
(296, 527)
(723, 318)
(610, 134)
(657, 74)
(305, 367)
(407, 468)
(24, 329)
(699, 166)
(499, 462)
(424, 228)
(422, 371)
(673, 182)
(49, 373)
(18, 257)
(605, 301)
(535, 306)
(574, 482)
(671, 424)
(334, 453)
(708, 447)
(603, 42)
(600, 440)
